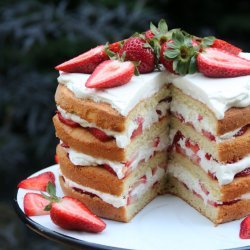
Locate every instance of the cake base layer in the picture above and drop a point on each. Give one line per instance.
(101, 179)
(219, 214)
(238, 187)
(105, 210)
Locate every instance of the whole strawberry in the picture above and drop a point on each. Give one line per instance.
(137, 49)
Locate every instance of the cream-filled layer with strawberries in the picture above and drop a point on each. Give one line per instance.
(144, 154)
(119, 201)
(194, 184)
(224, 173)
(123, 139)
(201, 124)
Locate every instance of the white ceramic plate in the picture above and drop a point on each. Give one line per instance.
(166, 223)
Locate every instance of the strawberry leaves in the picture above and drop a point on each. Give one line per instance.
(182, 52)
(51, 197)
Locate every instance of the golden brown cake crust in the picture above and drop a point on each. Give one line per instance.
(90, 176)
(96, 205)
(234, 118)
(232, 212)
(239, 186)
(83, 141)
(102, 114)
(234, 149)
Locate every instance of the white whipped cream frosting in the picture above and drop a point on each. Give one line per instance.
(219, 94)
(122, 98)
(145, 152)
(224, 172)
(194, 184)
(120, 201)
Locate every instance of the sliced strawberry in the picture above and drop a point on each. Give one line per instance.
(56, 158)
(67, 121)
(99, 134)
(208, 156)
(244, 172)
(200, 118)
(34, 204)
(193, 146)
(110, 74)
(245, 228)
(218, 63)
(71, 214)
(138, 130)
(203, 188)
(223, 45)
(38, 182)
(111, 170)
(209, 135)
(135, 50)
(156, 142)
(242, 131)
(86, 62)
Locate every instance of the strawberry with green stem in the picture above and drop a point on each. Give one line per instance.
(179, 53)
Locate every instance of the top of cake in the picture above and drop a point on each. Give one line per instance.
(208, 69)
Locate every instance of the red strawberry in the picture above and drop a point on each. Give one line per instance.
(245, 228)
(71, 214)
(136, 51)
(138, 130)
(115, 47)
(86, 62)
(99, 134)
(56, 158)
(67, 121)
(168, 64)
(111, 170)
(38, 182)
(149, 34)
(34, 204)
(218, 63)
(110, 74)
(244, 172)
(223, 45)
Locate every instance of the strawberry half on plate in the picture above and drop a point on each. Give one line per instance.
(71, 214)
(38, 182)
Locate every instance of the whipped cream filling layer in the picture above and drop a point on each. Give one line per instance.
(195, 185)
(219, 94)
(144, 154)
(122, 98)
(224, 173)
(200, 123)
(120, 201)
(122, 139)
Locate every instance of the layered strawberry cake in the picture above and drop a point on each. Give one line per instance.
(183, 128)
(113, 145)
